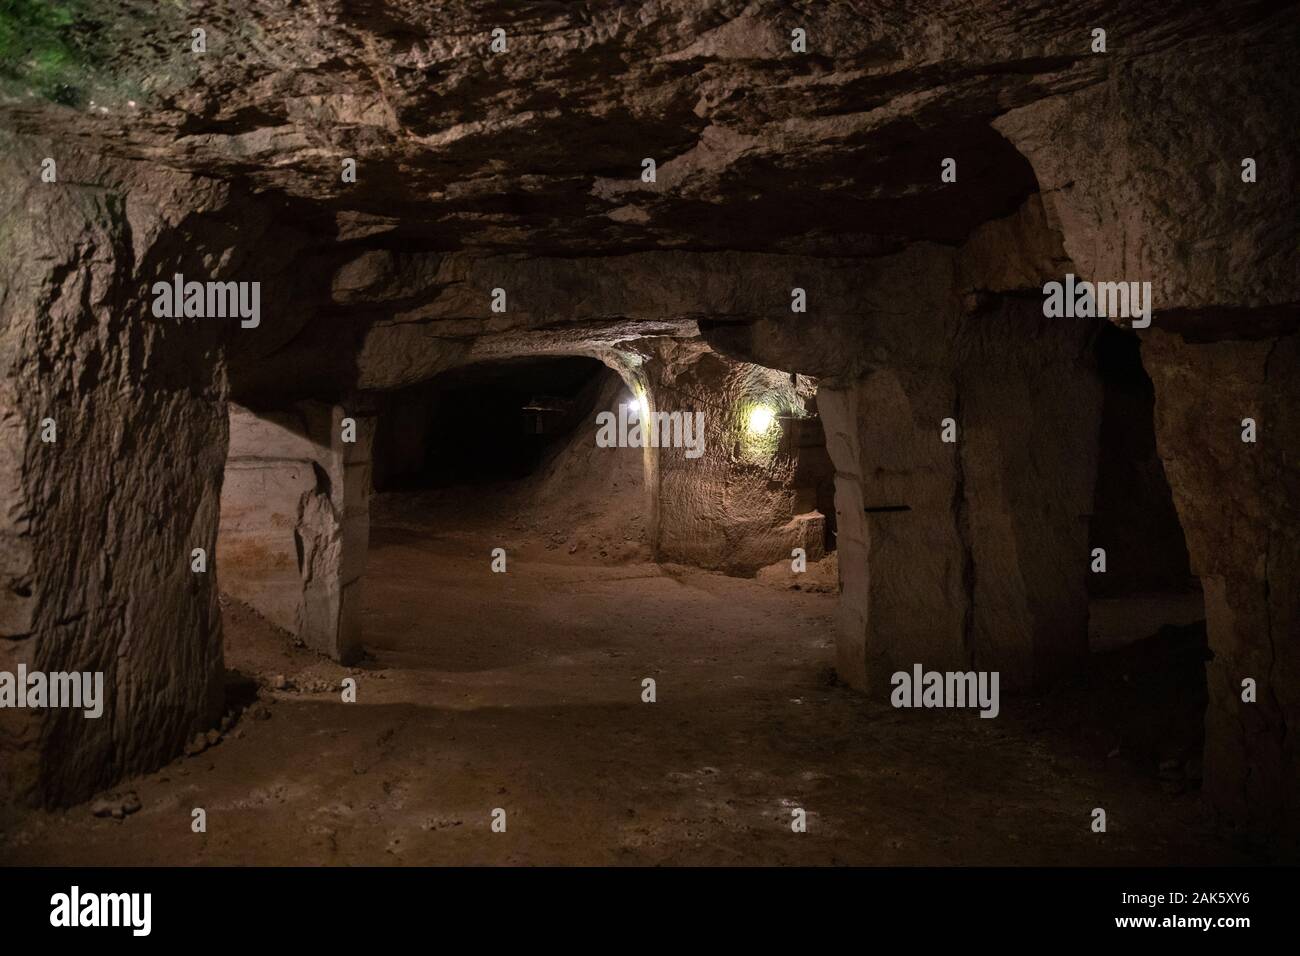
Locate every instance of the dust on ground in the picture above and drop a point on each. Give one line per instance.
(523, 691)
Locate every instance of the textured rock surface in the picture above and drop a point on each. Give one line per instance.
(98, 526)
(733, 507)
(1144, 184)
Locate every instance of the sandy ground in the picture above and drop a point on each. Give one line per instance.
(522, 691)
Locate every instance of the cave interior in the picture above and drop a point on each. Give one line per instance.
(818, 274)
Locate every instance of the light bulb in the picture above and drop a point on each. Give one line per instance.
(760, 419)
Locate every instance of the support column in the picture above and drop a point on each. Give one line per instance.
(1030, 417)
(974, 553)
(295, 520)
(1239, 504)
(112, 439)
(902, 560)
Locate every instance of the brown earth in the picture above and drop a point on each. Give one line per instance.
(523, 691)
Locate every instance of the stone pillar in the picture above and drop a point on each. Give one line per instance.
(902, 560)
(295, 521)
(1030, 407)
(1147, 185)
(97, 526)
(972, 553)
(1239, 504)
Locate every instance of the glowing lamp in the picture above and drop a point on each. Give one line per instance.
(760, 419)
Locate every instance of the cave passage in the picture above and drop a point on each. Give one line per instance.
(315, 330)
(510, 596)
(483, 423)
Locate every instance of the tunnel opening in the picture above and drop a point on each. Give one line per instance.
(335, 517)
(1148, 581)
(567, 539)
(484, 423)
(506, 450)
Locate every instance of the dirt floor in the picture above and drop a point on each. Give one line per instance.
(522, 691)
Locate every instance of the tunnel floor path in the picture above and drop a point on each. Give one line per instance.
(523, 691)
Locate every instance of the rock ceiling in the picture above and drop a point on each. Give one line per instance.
(538, 149)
